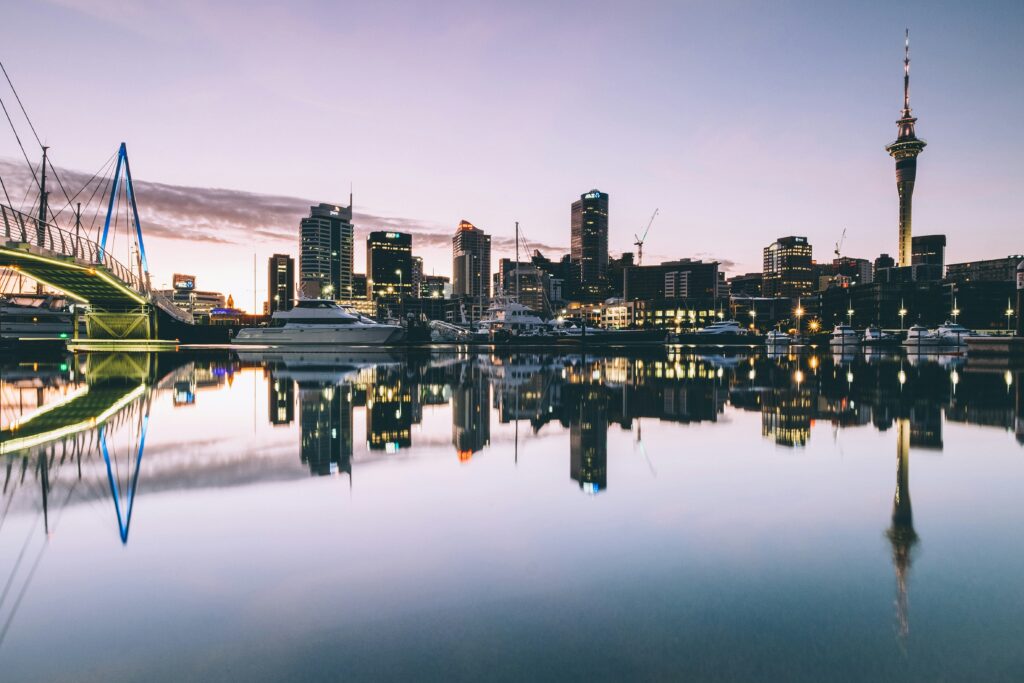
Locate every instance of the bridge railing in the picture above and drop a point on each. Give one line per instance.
(20, 227)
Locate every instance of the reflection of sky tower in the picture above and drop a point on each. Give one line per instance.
(905, 150)
(901, 534)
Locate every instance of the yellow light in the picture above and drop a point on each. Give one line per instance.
(798, 376)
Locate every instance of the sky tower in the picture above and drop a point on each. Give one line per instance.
(905, 150)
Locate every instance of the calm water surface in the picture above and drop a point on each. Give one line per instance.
(197, 517)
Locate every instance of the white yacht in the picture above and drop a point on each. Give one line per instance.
(874, 336)
(844, 335)
(319, 322)
(505, 314)
(919, 338)
(777, 339)
(723, 327)
(954, 334)
(31, 317)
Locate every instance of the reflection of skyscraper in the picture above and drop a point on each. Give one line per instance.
(280, 401)
(389, 412)
(786, 416)
(471, 415)
(588, 441)
(901, 534)
(325, 418)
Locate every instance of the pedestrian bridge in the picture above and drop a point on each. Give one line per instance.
(119, 303)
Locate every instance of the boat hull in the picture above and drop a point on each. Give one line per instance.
(350, 335)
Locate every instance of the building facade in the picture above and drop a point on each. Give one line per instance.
(388, 265)
(589, 243)
(788, 270)
(990, 270)
(929, 257)
(325, 257)
(682, 279)
(280, 283)
(471, 269)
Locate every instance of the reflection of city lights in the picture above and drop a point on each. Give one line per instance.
(849, 376)
(798, 376)
(954, 377)
(719, 373)
(1008, 377)
(813, 362)
(752, 374)
(902, 377)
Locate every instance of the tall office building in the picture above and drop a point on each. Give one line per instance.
(787, 268)
(928, 257)
(280, 283)
(325, 259)
(417, 276)
(471, 268)
(589, 245)
(905, 150)
(388, 264)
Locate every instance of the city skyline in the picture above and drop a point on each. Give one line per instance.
(698, 116)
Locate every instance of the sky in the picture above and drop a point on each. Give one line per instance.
(740, 121)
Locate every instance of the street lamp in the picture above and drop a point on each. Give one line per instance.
(903, 314)
(955, 311)
(401, 298)
(1009, 313)
(799, 314)
(753, 316)
(849, 315)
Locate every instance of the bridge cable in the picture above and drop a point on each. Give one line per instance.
(34, 133)
(21, 146)
(86, 186)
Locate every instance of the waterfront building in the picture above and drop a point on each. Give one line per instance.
(184, 295)
(929, 257)
(388, 265)
(417, 277)
(280, 283)
(471, 269)
(682, 279)
(436, 287)
(326, 248)
(905, 150)
(787, 270)
(359, 285)
(748, 284)
(589, 243)
(882, 262)
(988, 270)
(533, 287)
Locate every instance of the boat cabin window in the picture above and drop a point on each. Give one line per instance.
(315, 303)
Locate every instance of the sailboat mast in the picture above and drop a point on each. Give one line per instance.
(517, 261)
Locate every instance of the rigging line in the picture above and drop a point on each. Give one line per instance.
(17, 563)
(28, 188)
(4, 187)
(21, 595)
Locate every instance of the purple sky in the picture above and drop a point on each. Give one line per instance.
(740, 121)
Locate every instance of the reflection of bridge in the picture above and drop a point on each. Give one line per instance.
(120, 302)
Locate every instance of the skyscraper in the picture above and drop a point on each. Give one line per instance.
(388, 264)
(787, 268)
(417, 276)
(325, 259)
(471, 268)
(589, 245)
(905, 150)
(280, 283)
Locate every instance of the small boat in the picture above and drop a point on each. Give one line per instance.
(844, 336)
(777, 339)
(320, 322)
(874, 336)
(723, 327)
(954, 334)
(919, 338)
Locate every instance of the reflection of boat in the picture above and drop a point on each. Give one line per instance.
(322, 322)
(34, 318)
(323, 364)
(777, 339)
(874, 336)
(920, 339)
(844, 336)
(954, 334)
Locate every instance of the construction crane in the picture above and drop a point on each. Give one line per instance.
(839, 244)
(640, 240)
